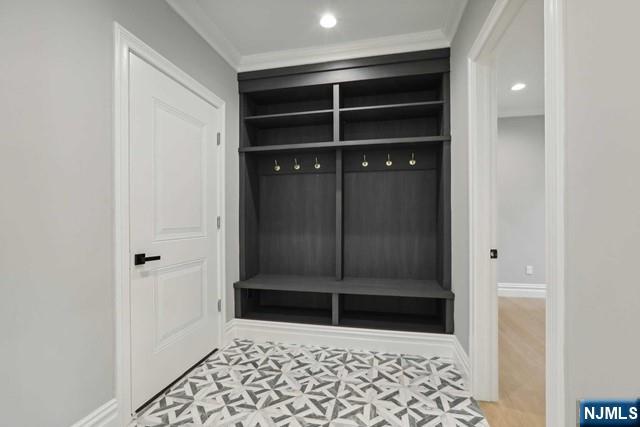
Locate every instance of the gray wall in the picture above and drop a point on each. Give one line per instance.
(472, 20)
(521, 199)
(602, 298)
(56, 194)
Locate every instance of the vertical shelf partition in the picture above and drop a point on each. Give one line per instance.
(345, 200)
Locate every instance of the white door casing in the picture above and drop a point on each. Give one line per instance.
(483, 122)
(173, 208)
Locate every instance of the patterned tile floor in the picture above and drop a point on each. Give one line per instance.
(266, 384)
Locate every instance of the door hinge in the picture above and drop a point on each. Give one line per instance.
(493, 253)
(219, 221)
(219, 305)
(218, 139)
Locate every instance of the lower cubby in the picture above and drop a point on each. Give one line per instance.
(286, 306)
(393, 313)
(402, 305)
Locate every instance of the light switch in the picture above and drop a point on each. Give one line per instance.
(529, 270)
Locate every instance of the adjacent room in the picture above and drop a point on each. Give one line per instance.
(520, 218)
(361, 213)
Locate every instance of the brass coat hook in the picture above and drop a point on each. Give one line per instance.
(388, 162)
(364, 161)
(276, 166)
(316, 164)
(296, 165)
(412, 161)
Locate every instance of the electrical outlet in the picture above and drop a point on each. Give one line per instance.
(529, 270)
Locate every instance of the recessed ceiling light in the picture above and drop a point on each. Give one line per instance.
(518, 86)
(328, 20)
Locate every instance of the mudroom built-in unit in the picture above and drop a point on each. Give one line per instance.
(345, 205)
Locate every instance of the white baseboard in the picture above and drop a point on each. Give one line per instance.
(105, 416)
(522, 290)
(425, 344)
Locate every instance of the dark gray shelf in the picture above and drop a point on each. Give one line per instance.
(388, 321)
(345, 144)
(303, 118)
(391, 111)
(350, 285)
(290, 314)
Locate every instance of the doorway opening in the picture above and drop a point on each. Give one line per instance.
(487, 233)
(520, 221)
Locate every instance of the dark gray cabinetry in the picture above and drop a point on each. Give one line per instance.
(345, 199)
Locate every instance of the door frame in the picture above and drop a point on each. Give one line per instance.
(483, 120)
(126, 43)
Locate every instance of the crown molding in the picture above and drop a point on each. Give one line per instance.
(197, 18)
(334, 52)
(455, 17)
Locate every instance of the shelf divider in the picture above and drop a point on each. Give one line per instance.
(335, 309)
(339, 183)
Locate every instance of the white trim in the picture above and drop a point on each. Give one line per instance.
(499, 19)
(229, 332)
(124, 44)
(462, 360)
(483, 311)
(105, 416)
(483, 316)
(520, 112)
(425, 344)
(522, 290)
(483, 123)
(555, 143)
(358, 49)
(197, 18)
(455, 17)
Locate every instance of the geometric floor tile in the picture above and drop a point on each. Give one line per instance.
(249, 384)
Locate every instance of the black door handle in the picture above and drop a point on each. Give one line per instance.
(141, 259)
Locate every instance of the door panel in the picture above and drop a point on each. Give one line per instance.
(174, 193)
(180, 169)
(180, 293)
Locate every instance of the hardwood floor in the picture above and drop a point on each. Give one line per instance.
(522, 365)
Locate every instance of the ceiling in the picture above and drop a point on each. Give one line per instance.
(521, 59)
(258, 34)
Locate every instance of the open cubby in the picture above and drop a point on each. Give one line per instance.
(289, 129)
(401, 313)
(345, 194)
(358, 128)
(392, 90)
(289, 100)
(288, 306)
(287, 116)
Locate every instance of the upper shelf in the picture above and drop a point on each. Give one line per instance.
(391, 111)
(344, 144)
(302, 118)
(350, 285)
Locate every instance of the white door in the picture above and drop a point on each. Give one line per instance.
(174, 208)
